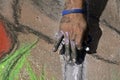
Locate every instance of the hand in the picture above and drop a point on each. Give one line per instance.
(75, 26)
(72, 33)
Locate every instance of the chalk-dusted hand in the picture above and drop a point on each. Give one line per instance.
(71, 35)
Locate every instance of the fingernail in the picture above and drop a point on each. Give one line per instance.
(67, 34)
(76, 43)
(67, 58)
(74, 60)
(78, 48)
(66, 41)
(62, 32)
(63, 42)
(72, 43)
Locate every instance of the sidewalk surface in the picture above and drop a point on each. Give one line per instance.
(43, 16)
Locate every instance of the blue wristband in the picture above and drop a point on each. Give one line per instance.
(65, 12)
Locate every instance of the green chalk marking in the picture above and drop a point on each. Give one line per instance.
(12, 64)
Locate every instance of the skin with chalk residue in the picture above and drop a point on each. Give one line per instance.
(74, 24)
(72, 29)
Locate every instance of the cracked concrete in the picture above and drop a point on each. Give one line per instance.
(43, 16)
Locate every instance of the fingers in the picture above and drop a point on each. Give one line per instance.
(62, 47)
(67, 46)
(72, 36)
(73, 49)
(62, 50)
(59, 38)
(78, 42)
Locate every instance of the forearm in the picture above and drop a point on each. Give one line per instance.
(69, 4)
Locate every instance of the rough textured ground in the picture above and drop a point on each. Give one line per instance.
(42, 17)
